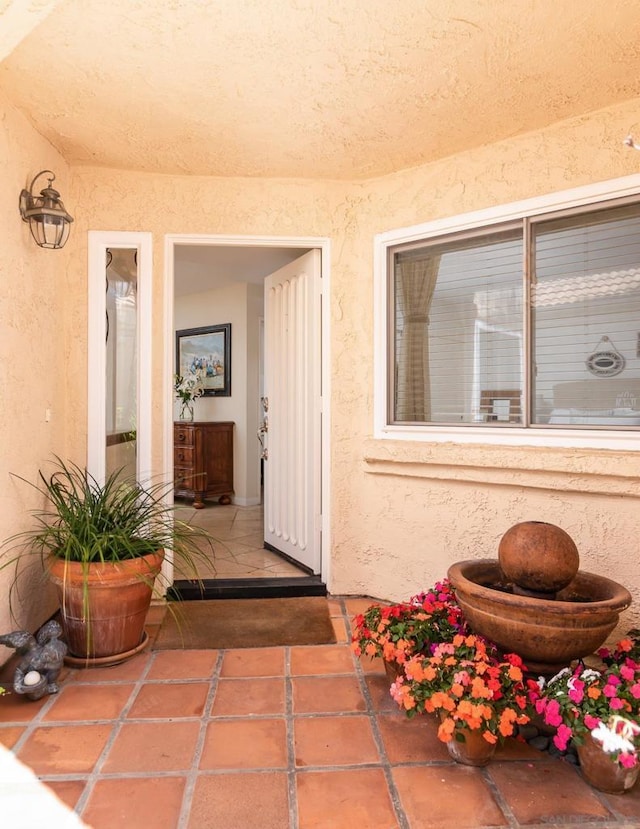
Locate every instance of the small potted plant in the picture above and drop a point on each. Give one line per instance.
(188, 387)
(103, 545)
(396, 632)
(599, 710)
(479, 697)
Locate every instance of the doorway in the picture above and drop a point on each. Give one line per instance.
(211, 280)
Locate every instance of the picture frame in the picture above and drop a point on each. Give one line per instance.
(209, 348)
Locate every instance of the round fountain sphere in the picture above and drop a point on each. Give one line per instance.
(538, 557)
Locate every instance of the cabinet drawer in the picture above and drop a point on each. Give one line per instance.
(183, 456)
(183, 436)
(183, 478)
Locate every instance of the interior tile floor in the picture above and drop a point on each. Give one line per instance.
(238, 543)
(277, 738)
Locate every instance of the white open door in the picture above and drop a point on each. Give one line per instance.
(292, 400)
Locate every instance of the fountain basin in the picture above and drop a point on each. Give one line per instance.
(547, 633)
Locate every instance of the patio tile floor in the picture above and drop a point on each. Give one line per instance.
(278, 738)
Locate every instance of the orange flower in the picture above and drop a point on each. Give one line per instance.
(515, 673)
(593, 692)
(507, 718)
(445, 731)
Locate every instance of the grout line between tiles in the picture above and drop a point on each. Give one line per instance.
(394, 795)
(292, 785)
(192, 774)
(95, 774)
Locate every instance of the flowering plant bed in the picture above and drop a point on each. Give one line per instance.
(469, 686)
(396, 632)
(603, 703)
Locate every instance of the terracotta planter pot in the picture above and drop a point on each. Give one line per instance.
(474, 751)
(104, 607)
(392, 670)
(602, 772)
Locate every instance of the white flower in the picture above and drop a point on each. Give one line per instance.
(191, 386)
(617, 735)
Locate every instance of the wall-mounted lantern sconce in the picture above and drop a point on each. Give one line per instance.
(48, 220)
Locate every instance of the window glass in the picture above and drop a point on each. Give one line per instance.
(458, 330)
(474, 342)
(586, 318)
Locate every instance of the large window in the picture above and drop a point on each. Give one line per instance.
(531, 323)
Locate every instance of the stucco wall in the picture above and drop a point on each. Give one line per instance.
(32, 333)
(400, 513)
(407, 511)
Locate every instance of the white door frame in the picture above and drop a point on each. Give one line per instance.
(324, 245)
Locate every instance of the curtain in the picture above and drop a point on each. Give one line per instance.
(415, 285)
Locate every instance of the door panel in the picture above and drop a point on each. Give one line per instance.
(292, 391)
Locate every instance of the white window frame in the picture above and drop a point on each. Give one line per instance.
(591, 194)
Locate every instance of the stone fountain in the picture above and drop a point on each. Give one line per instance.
(534, 601)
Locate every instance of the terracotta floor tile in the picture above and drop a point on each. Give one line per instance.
(352, 799)
(546, 792)
(320, 694)
(171, 700)
(240, 801)
(627, 804)
(10, 734)
(359, 605)
(411, 741)
(68, 791)
(371, 666)
(381, 699)
(245, 744)
(334, 741)
(335, 607)
(443, 797)
(152, 747)
(16, 708)
(183, 664)
(89, 702)
(321, 659)
(513, 749)
(244, 662)
(340, 631)
(135, 803)
(242, 697)
(65, 749)
(130, 670)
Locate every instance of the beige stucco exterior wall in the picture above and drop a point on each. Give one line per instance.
(406, 510)
(33, 328)
(400, 513)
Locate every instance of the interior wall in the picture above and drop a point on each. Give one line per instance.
(234, 304)
(34, 330)
(397, 520)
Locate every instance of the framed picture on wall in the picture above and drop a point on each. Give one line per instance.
(207, 348)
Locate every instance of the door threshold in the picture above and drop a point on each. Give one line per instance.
(277, 588)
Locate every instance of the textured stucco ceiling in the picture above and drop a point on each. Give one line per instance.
(311, 88)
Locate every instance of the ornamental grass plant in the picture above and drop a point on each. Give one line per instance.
(580, 700)
(396, 632)
(89, 522)
(469, 686)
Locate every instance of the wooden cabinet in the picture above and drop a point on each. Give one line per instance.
(203, 461)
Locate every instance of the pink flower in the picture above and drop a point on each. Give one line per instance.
(563, 735)
(609, 690)
(591, 722)
(635, 690)
(627, 760)
(616, 703)
(626, 672)
(552, 714)
(576, 691)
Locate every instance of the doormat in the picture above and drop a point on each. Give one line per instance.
(246, 623)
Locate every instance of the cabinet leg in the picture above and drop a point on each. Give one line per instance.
(224, 500)
(198, 503)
